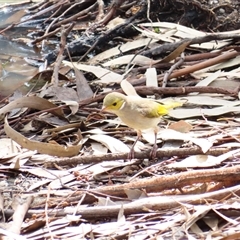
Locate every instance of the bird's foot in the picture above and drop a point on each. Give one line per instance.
(131, 154)
(153, 152)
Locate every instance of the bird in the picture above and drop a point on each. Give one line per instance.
(137, 113)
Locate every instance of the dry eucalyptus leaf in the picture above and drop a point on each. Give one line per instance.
(73, 105)
(203, 160)
(148, 135)
(57, 183)
(113, 52)
(113, 144)
(226, 64)
(115, 22)
(104, 201)
(188, 113)
(212, 222)
(121, 218)
(163, 36)
(46, 148)
(182, 31)
(67, 177)
(151, 77)
(228, 84)
(98, 148)
(134, 59)
(135, 193)
(199, 213)
(105, 75)
(38, 184)
(186, 32)
(60, 93)
(176, 53)
(83, 89)
(224, 76)
(181, 126)
(46, 173)
(128, 88)
(32, 102)
(139, 146)
(103, 168)
(8, 148)
(209, 79)
(169, 134)
(208, 101)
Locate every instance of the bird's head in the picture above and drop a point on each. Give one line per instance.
(113, 102)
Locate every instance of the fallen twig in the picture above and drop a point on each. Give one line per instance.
(161, 153)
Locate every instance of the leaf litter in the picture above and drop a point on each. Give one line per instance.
(64, 161)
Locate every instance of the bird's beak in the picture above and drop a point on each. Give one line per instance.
(104, 109)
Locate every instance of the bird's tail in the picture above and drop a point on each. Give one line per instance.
(170, 105)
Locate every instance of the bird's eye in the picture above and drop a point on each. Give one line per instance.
(114, 104)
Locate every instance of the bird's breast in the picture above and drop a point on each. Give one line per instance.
(136, 120)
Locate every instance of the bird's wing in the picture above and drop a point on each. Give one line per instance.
(152, 109)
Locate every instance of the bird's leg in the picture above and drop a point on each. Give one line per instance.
(131, 153)
(155, 146)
